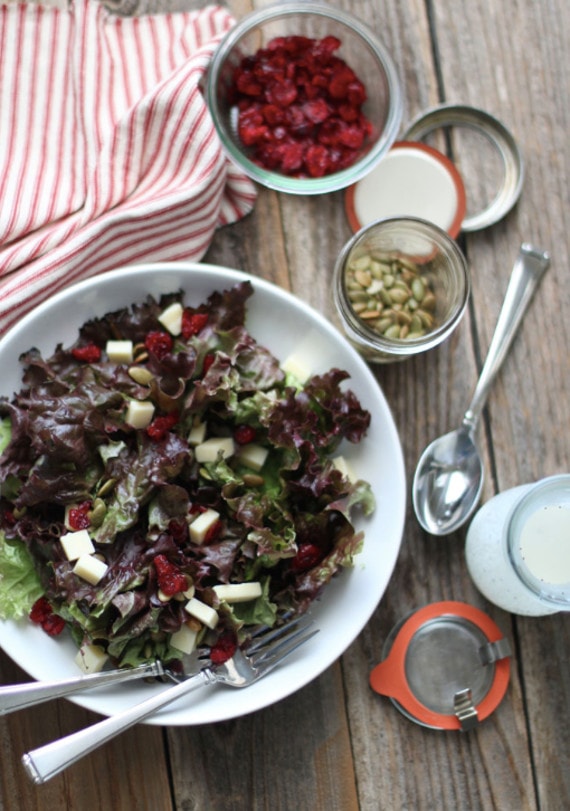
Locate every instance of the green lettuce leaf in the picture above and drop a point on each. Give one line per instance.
(5, 432)
(19, 584)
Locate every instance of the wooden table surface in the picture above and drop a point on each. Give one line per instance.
(335, 745)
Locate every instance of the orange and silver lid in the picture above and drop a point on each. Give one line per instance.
(446, 666)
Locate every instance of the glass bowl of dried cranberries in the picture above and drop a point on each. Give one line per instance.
(304, 97)
(401, 286)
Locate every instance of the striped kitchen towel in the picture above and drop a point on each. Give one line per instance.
(108, 155)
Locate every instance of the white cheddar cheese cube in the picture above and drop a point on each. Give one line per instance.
(295, 366)
(171, 318)
(184, 639)
(139, 413)
(120, 351)
(252, 455)
(76, 544)
(202, 524)
(210, 450)
(202, 612)
(91, 658)
(90, 569)
(340, 463)
(197, 433)
(238, 592)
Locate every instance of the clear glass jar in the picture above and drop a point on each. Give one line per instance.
(518, 548)
(418, 249)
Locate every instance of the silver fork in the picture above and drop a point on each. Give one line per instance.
(245, 667)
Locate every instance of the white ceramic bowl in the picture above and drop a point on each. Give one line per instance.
(349, 601)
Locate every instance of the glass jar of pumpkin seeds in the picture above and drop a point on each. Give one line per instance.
(401, 286)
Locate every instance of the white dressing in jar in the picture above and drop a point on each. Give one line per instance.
(518, 548)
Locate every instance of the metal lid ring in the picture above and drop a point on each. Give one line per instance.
(448, 115)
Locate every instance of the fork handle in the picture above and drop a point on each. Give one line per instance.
(47, 761)
(19, 696)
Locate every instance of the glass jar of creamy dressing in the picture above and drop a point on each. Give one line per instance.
(518, 548)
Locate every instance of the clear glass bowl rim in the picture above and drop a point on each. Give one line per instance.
(328, 183)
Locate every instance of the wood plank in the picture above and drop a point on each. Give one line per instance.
(526, 85)
(295, 754)
(125, 774)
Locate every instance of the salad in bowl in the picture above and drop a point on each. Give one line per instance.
(167, 482)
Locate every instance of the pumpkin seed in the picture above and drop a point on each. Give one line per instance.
(140, 375)
(393, 331)
(253, 480)
(361, 263)
(98, 512)
(398, 296)
(426, 318)
(391, 294)
(418, 289)
(363, 277)
(106, 487)
(383, 323)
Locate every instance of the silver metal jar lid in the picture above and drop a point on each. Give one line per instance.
(452, 115)
(446, 666)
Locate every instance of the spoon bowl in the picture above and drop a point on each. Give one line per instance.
(449, 476)
(448, 481)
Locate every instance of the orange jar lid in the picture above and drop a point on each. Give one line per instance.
(446, 666)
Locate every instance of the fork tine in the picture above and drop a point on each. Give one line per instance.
(264, 635)
(281, 645)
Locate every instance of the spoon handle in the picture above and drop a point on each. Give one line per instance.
(529, 267)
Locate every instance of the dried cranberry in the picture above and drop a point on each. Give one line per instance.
(208, 360)
(9, 518)
(308, 555)
(193, 323)
(251, 133)
(53, 625)
(178, 530)
(40, 610)
(316, 110)
(294, 95)
(223, 649)
(272, 114)
(352, 136)
(317, 160)
(171, 580)
(340, 81)
(43, 614)
(213, 533)
(78, 517)
(246, 83)
(243, 434)
(327, 45)
(160, 426)
(281, 93)
(90, 353)
(159, 343)
(291, 157)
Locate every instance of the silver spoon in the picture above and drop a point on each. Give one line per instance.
(449, 476)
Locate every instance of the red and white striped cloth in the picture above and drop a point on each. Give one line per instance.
(108, 155)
